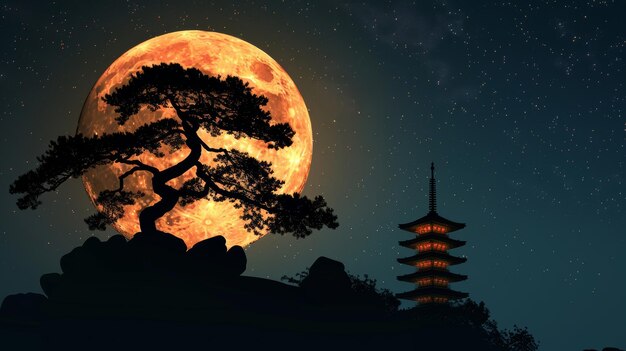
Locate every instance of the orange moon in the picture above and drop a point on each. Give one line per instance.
(213, 54)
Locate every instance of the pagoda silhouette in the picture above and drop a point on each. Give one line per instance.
(432, 259)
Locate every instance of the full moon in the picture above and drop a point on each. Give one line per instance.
(214, 54)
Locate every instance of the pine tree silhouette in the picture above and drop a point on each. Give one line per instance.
(219, 106)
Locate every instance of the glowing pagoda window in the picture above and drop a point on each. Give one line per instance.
(425, 264)
(432, 281)
(439, 229)
(431, 228)
(440, 264)
(423, 229)
(440, 246)
(425, 282)
(425, 247)
(432, 246)
(429, 299)
(425, 299)
(432, 263)
(441, 282)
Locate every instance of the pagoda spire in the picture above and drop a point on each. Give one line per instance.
(432, 198)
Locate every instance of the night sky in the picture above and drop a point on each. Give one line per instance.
(520, 104)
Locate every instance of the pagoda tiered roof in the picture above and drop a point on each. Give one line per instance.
(433, 272)
(432, 255)
(432, 218)
(412, 243)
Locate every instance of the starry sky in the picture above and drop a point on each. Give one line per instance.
(519, 103)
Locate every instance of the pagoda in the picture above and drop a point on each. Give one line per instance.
(432, 258)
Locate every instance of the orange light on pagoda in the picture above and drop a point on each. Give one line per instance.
(432, 263)
(423, 229)
(432, 246)
(441, 282)
(425, 299)
(425, 282)
(431, 299)
(431, 228)
(432, 281)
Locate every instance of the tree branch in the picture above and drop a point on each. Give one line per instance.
(140, 165)
(210, 149)
(125, 175)
(228, 194)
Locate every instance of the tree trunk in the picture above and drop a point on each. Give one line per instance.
(169, 196)
(149, 215)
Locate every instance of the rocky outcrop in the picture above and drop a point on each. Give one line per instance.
(327, 282)
(27, 307)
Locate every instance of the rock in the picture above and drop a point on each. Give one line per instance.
(114, 255)
(236, 261)
(207, 257)
(151, 270)
(158, 253)
(327, 281)
(23, 307)
(92, 242)
(214, 247)
(89, 261)
(159, 242)
(50, 283)
(116, 241)
(80, 262)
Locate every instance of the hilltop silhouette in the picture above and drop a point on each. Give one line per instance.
(151, 292)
